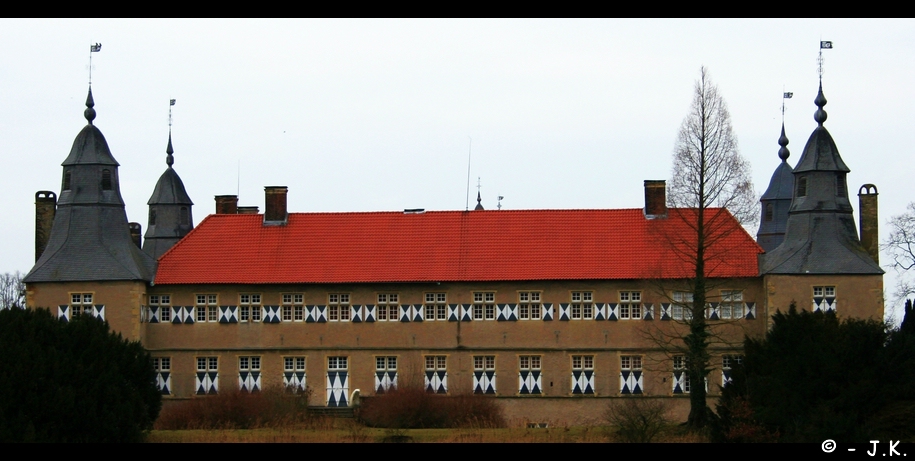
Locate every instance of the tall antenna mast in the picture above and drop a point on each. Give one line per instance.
(93, 49)
(469, 150)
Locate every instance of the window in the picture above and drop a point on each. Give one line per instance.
(436, 379)
(770, 212)
(184, 216)
(337, 381)
(731, 305)
(66, 185)
(727, 364)
(80, 303)
(207, 311)
(841, 187)
(581, 305)
(529, 305)
(249, 374)
(338, 309)
(436, 309)
(631, 380)
(387, 307)
(385, 374)
(484, 374)
(250, 307)
(484, 306)
(163, 366)
(583, 374)
(162, 305)
(681, 375)
(294, 373)
(802, 186)
(207, 379)
(630, 304)
(683, 305)
(106, 179)
(152, 216)
(293, 310)
(824, 298)
(529, 379)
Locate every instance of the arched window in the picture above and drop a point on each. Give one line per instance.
(66, 180)
(106, 179)
(802, 186)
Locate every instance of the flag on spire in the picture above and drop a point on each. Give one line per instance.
(95, 48)
(171, 102)
(825, 45)
(788, 95)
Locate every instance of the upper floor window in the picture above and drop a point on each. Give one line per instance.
(207, 311)
(338, 309)
(682, 305)
(802, 186)
(841, 187)
(293, 309)
(387, 307)
(484, 306)
(630, 304)
(581, 307)
(66, 180)
(436, 307)
(529, 305)
(106, 179)
(184, 216)
(770, 212)
(250, 307)
(731, 304)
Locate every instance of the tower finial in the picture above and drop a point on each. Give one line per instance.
(783, 142)
(93, 49)
(89, 113)
(820, 101)
(170, 160)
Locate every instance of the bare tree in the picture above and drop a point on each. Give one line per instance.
(901, 248)
(710, 180)
(12, 290)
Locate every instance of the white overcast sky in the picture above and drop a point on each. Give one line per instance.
(365, 115)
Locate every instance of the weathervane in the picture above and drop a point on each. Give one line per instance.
(171, 102)
(785, 95)
(93, 49)
(824, 45)
(499, 205)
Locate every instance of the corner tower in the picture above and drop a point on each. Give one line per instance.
(170, 217)
(821, 257)
(90, 260)
(776, 201)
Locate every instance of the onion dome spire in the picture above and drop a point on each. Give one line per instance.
(169, 160)
(89, 113)
(783, 152)
(479, 205)
(820, 101)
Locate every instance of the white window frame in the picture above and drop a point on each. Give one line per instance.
(81, 303)
(731, 306)
(630, 305)
(249, 307)
(338, 305)
(582, 305)
(387, 307)
(164, 302)
(293, 307)
(207, 308)
(529, 305)
(484, 305)
(436, 306)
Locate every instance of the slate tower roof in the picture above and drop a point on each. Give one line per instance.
(777, 200)
(170, 216)
(820, 237)
(90, 239)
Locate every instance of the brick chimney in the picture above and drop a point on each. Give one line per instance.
(655, 199)
(867, 211)
(45, 209)
(275, 205)
(226, 204)
(135, 231)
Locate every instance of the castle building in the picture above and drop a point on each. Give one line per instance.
(547, 310)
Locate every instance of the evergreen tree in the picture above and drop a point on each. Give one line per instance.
(72, 381)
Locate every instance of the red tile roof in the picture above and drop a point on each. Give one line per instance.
(450, 246)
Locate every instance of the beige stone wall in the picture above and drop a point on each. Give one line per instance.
(554, 341)
(858, 296)
(122, 301)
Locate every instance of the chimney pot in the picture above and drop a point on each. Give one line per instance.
(226, 204)
(655, 198)
(275, 205)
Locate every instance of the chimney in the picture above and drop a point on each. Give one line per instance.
(45, 209)
(226, 204)
(275, 205)
(655, 198)
(867, 211)
(247, 210)
(135, 230)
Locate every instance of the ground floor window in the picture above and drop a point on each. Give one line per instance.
(484, 374)
(631, 379)
(294, 373)
(337, 381)
(529, 379)
(163, 366)
(249, 373)
(436, 379)
(583, 374)
(385, 374)
(207, 379)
